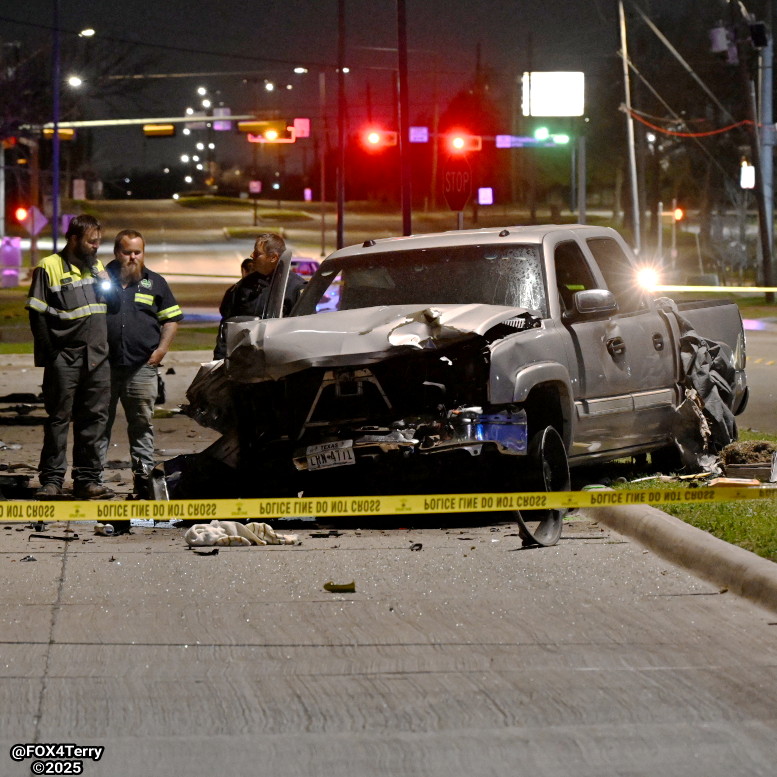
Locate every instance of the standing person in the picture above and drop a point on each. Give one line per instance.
(67, 306)
(251, 293)
(246, 268)
(140, 331)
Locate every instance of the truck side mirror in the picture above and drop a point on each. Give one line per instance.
(591, 303)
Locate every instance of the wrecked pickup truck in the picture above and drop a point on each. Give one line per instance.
(488, 359)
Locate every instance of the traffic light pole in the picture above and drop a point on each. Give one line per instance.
(57, 77)
(340, 123)
(404, 119)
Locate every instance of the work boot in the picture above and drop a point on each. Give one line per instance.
(92, 491)
(48, 490)
(121, 527)
(142, 486)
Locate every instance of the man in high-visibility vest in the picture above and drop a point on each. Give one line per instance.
(67, 305)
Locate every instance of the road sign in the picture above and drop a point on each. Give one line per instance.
(35, 221)
(255, 187)
(457, 182)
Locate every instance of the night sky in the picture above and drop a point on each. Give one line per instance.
(263, 39)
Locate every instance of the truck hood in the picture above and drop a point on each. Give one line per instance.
(273, 348)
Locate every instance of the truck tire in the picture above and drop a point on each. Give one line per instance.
(547, 470)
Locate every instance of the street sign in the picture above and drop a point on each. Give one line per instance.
(255, 187)
(457, 182)
(35, 221)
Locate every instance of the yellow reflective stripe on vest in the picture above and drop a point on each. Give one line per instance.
(170, 312)
(82, 312)
(145, 299)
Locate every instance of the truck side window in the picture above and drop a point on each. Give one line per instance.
(572, 272)
(618, 273)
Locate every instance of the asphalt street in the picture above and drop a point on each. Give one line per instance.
(469, 656)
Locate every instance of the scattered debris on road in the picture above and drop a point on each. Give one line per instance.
(234, 533)
(340, 588)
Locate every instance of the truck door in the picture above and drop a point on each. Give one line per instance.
(625, 362)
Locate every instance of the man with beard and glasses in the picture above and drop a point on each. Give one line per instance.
(69, 297)
(249, 296)
(140, 332)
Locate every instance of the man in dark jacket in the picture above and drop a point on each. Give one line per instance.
(250, 295)
(140, 332)
(67, 305)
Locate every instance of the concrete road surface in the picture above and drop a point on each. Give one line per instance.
(470, 656)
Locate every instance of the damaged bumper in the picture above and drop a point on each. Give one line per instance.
(466, 429)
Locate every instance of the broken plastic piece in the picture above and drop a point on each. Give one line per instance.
(340, 588)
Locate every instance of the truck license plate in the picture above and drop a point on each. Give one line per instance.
(330, 454)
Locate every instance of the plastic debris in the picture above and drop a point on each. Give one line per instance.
(340, 588)
(416, 546)
(28, 558)
(104, 529)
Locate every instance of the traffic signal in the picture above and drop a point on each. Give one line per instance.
(544, 135)
(461, 142)
(375, 138)
(65, 133)
(21, 213)
(276, 131)
(678, 214)
(158, 130)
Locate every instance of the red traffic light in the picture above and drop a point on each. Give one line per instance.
(375, 138)
(678, 214)
(21, 213)
(461, 142)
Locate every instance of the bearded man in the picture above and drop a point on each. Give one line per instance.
(69, 297)
(140, 332)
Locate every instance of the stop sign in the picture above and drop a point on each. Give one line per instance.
(457, 182)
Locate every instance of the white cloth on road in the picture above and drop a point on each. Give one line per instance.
(234, 533)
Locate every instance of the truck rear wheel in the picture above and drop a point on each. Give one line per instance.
(547, 469)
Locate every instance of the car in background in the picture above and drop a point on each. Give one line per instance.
(306, 269)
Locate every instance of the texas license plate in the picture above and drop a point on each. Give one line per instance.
(330, 454)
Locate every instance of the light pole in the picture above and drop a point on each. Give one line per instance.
(56, 76)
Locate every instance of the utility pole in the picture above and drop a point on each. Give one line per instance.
(630, 129)
(340, 122)
(404, 119)
(744, 42)
(766, 59)
(56, 78)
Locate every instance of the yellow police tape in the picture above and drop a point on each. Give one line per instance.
(716, 289)
(338, 506)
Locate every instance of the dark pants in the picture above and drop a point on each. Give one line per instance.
(71, 391)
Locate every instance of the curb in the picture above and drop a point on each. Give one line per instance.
(728, 566)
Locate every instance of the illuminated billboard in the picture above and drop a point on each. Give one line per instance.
(553, 94)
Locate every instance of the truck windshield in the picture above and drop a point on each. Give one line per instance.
(492, 275)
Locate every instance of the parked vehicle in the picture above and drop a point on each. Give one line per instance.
(487, 359)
